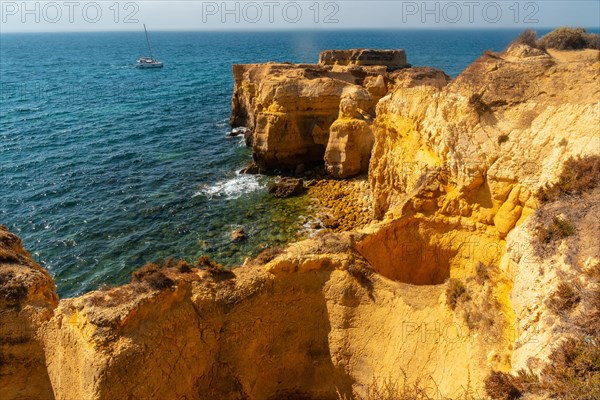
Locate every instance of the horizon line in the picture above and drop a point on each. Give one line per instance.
(311, 30)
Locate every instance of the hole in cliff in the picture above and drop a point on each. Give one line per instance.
(423, 252)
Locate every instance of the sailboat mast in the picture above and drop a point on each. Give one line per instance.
(148, 42)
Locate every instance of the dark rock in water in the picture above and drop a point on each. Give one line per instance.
(238, 131)
(238, 235)
(287, 187)
(251, 168)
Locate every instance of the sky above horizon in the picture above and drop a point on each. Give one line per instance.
(161, 15)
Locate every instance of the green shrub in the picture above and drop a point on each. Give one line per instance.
(557, 229)
(561, 228)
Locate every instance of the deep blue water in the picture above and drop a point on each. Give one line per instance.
(104, 167)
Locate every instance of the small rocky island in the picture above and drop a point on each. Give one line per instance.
(477, 276)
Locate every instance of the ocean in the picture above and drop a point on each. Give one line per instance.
(105, 167)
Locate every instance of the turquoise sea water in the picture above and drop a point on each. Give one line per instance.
(104, 167)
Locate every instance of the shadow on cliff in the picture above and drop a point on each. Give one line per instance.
(259, 336)
(275, 351)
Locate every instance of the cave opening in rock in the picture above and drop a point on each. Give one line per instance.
(422, 252)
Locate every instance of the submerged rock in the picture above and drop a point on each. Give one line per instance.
(238, 235)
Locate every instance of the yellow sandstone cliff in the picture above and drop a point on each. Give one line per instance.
(314, 114)
(449, 282)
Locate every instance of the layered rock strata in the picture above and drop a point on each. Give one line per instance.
(451, 282)
(364, 57)
(315, 114)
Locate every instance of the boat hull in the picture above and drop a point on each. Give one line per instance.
(148, 65)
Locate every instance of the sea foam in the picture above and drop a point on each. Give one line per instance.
(231, 188)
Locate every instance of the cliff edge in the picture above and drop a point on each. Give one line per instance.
(482, 258)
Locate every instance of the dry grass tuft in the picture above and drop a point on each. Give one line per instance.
(564, 298)
(111, 297)
(573, 368)
(557, 229)
(474, 299)
(572, 373)
(214, 268)
(589, 320)
(420, 389)
(482, 273)
(565, 38)
(578, 175)
(9, 257)
(500, 386)
(267, 255)
(456, 292)
(528, 37)
(150, 275)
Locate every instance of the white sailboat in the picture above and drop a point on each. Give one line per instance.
(148, 62)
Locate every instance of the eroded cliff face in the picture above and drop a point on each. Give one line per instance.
(449, 282)
(27, 299)
(502, 129)
(465, 161)
(313, 322)
(315, 114)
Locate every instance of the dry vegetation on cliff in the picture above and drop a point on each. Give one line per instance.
(566, 38)
(563, 38)
(572, 371)
(463, 245)
(572, 368)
